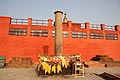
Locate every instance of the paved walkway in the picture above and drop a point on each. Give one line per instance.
(30, 74)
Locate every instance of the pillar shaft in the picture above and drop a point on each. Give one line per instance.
(58, 33)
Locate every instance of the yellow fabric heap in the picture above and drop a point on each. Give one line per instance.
(54, 69)
(49, 69)
(64, 62)
(44, 58)
(46, 67)
(59, 68)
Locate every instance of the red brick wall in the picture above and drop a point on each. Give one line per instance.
(31, 46)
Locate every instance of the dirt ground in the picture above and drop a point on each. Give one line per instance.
(30, 74)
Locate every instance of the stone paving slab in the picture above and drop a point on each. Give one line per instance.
(30, 74)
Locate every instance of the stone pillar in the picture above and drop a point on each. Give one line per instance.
(58, 33)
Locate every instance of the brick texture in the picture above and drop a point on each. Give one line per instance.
(32, 46)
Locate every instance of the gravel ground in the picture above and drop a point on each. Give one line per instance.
(30, 74)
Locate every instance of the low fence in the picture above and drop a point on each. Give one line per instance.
(19, 21)
(40, 22)
(25, 22)
(109, 27)
(95, 26)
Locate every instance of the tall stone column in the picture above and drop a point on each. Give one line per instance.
(58, 33)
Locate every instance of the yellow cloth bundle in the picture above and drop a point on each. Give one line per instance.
(54, 69)
(46, 67)
(59, 68)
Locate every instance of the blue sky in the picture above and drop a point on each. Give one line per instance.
(93, 11)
